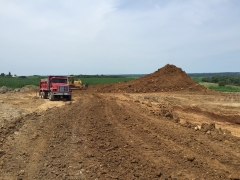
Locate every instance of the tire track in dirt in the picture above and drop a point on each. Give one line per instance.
(191, 142)
(173, 147)
(101, 136)
(67, 143)
(43, 147)
(235, 119)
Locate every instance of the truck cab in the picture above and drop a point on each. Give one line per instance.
(55, 87)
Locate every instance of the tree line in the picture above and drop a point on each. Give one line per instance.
(9, 74)
(223, 80)
(232, 74)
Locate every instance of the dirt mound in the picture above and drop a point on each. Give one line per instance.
(167, 79)
(26, 88)
(4, 89)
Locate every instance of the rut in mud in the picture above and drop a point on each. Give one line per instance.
(104, 136)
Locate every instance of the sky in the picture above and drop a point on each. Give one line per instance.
(62, 37)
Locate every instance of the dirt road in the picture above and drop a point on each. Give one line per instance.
(120, 136)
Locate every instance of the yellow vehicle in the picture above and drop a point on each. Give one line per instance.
(74, 84)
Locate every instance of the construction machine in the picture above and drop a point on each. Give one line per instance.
(74, 84)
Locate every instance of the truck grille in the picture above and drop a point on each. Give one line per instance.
(63, 88)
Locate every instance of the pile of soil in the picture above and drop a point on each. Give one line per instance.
(5, 89)
(167, 79)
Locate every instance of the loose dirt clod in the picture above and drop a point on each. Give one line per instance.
(207, 127)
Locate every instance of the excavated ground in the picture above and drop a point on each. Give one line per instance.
(170, 135)
(161, 126)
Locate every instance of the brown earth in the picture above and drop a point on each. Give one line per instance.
(167, 79)
(164, 135)
(120, 136)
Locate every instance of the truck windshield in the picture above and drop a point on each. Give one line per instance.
(59, 81)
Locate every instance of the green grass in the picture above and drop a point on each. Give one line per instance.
(95, 81)
(207, 84)
(197, 79)
(214, 86)
(15, 82)
(227, 88)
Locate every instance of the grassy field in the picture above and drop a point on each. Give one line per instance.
(214, 86)
(95, 81)
(227, 88)
(15, 82)
(197, 79)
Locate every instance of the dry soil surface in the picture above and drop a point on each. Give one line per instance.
(164, 135)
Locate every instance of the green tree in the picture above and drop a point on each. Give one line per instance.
(2, 74)
(222, 84)
(214, 79)
(9, 74)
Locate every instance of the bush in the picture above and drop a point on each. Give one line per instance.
(222, 84)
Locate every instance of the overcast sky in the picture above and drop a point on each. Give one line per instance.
(42, 37)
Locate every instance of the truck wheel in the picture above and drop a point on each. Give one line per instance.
(51, 97)
(69, 98)
(44, 95)
(41, 95)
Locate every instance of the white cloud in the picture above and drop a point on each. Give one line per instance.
(117, 36)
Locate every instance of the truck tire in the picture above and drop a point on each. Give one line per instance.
(41, 95)
(69, 98)
(51, 97)
(44, 95)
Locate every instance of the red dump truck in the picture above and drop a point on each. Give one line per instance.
(55, 87)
